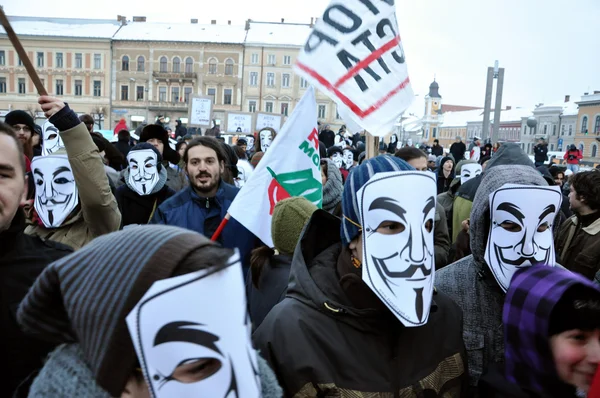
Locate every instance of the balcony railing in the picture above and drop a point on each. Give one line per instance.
(174, 75)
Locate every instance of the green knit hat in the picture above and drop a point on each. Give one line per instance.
(289, 218)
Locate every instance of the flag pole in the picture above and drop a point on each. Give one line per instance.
(220, 228)
(372, 146)
(12, 36)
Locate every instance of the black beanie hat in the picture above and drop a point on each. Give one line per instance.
(158, 132)
(20, 117)
(334, 149)
(578, 308)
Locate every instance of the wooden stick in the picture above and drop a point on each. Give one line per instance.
(372, 146)
(22, 54)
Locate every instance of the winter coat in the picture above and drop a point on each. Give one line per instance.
(441, 238)
(188, 210)
(176, 180)
(578, 245)
(320, 343)
(98, 212)
(437, 150)
(66, 374)
(540, 153)
(180, 131)
(272, 287)
(122, 125)
(471, 284)
(138, 209)
(327, 137)
(443, 183)
(123, 147)
(458, 150)
(573, 156)
(446, 200)
(333, 188)
(22, 259)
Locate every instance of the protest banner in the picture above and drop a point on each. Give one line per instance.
(271, 120)
(238, 122)
(354, 55)
(291, 167)
(200, 111)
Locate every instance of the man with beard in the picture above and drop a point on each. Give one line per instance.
(204, 203)
(22, 259)
(145, 185)
(510, 227)
(73, 202)
(361, 317)
(23, 124)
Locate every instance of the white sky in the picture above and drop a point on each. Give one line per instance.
(549, 47)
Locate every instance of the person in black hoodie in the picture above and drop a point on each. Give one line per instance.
(332, 336)
(22, 259)
(122, 144)
(180, 131)
(327, 136)
(270, 269)
(445, 174)
(145, 185)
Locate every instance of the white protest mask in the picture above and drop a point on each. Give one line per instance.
(266, 138)
(56, 194)
(393, 138)
(398, 249)
(143, 170)
(338, 159)
(192, 350)
(51, 141)
(520, 232)
(348, 158)
(469, 171)
(250, 140)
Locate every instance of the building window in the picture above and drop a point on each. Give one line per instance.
(3, 85)
(285, 80)
(78, 88)
(271, 59)
(163, 64)
(597, 125)
(78, 60)
(174, 94)
(435, 132)
(337, 113)
(187, 92)
(22, 89)
(124, 93)
(254, 59)
(287, 60)
(189, 65)
(554, 129)
(125, 63)
(284, 108)
(545, 129)
(59, 87)
(269, 107)
(570, 129)
(581, 147)
(176, 65)
(40, 59)
(212, 92)
(251, 106)
(212, 66)
(59, 60)
(562, 130)
(97, 88)
(139, 93)
(594, 150)
(584, 125)
(2, 57)
(19, 61)
(227, 93)
(141, 64)
(322, 111)
(162, 94)
(303, 83)
(270, 79)
(229, 67)
(254, 78)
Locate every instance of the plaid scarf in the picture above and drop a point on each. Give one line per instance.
(533, 294)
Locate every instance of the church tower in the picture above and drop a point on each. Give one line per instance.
(433, 110)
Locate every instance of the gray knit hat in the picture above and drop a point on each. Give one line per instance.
(84, 298)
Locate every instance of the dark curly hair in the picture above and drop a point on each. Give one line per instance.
(587, 187)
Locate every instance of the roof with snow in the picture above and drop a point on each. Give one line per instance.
(460, 119)
(179, 32)
(63, 27)
(512, 115)
(568, 108)
(277, 34)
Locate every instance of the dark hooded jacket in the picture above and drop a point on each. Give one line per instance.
(443, 183)
(508, 154)
(530, 370)
(333, 337)
(138, 209)
(470, 283)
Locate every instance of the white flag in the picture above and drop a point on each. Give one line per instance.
(290, 167)
(354, 55)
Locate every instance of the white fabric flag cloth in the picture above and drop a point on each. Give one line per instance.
(354, 55)
(291, 167)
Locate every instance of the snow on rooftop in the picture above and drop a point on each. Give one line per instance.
(512, 115)
(460, 119)
(63, 27)
(278, 34)
(178, 32)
